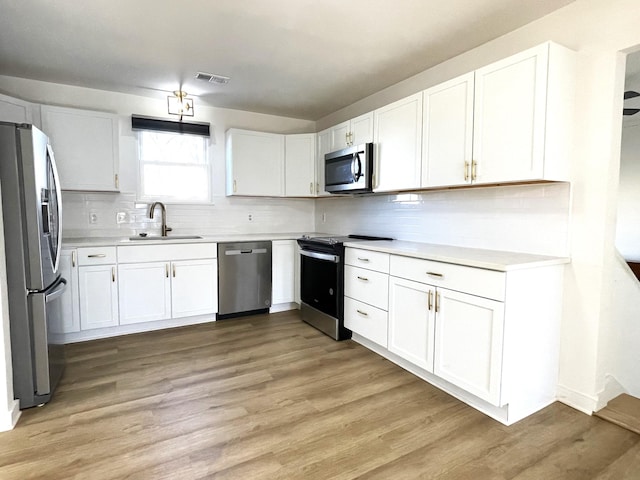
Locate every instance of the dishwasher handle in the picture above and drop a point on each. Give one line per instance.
(245, 252)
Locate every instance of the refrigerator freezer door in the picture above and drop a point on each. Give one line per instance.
(46, 307)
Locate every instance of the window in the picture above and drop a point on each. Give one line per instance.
(174, 167)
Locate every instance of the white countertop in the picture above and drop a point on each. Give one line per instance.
(473, 257)
(121, 241)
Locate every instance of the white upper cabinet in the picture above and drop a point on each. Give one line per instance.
(506, 122)
(509, 123)
(398, 138)
(447, 132)
(324, 147)
(300, 165)
(15, 110)
(85, 144)
(352, 132)
(255, 163)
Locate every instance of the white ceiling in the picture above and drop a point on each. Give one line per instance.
(297, 58)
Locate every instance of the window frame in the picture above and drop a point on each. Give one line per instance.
(141, 197)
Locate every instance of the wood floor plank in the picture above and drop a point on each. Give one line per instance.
(269, 397)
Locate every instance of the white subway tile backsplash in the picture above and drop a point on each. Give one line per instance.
(225, 216)
(525, 218)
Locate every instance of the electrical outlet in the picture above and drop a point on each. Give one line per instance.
(250, 217)
(121, 217)
(324, 217)
(93, 218)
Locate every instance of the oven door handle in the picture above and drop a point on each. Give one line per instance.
(327, 257)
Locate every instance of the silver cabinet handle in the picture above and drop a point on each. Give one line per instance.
(364, 279)
(311, 188)
(363, 259)
(113, 274)
(434, 274)
(166, 270)
(73, 258)
(362, 313)
(97, 255)
(174, 270)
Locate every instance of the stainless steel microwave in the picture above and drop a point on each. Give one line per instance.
(349, 170)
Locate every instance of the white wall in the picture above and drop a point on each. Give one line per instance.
(9, 411)
(598, 30)
(226, 215)
(498, 218)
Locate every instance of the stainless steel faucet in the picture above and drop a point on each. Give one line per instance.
(165, 229)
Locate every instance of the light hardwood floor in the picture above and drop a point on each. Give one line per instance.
(268, 397)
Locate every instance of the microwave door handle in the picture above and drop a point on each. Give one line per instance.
(356, 173)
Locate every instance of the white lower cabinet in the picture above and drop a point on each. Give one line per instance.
(159, 282)
(366, 320)
(98, 291)
(283, 276)
(484, 336)
(97, 287)
(366, 289)
(70, 319)
(411, 323)
(468, 343)
(194, 287)
(144, 292)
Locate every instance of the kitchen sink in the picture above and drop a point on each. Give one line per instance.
(170, 237)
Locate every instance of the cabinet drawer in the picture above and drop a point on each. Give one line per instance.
(365, 320)
(96, 255)
(367, 286)
(377, 261)
(476, 281)
(163, 253)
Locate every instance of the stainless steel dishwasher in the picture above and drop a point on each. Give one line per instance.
(244, 278)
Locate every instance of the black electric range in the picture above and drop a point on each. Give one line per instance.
(322, 282)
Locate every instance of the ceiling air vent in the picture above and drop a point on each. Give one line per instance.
(212, 78)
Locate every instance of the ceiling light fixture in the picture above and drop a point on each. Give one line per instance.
(212, 78)
(179, 104)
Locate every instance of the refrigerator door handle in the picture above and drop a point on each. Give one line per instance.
(57, 291)
(56, 180)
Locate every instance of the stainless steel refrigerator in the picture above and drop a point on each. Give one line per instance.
(31, 208)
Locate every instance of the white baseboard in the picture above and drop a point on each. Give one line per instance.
(578, 400)
(10, 418)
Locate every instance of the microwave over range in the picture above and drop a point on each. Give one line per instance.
(349, 170)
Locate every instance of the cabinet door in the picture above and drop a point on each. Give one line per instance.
(447, 133)
(468, 345)
(144, 291)
(194, 287)
(98, 296)
(411, 323)
(509, 118)
(362, 129)
(300, 165)
(70, 319)
(324, 147)
(283, 271)
(340, 136)
(398, 131)
(86, 147)
(255, 163)
(14, 110)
